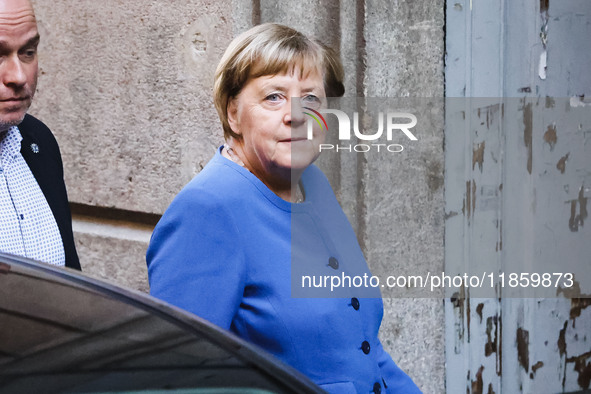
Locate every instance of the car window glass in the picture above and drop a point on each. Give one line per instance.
(59, 335)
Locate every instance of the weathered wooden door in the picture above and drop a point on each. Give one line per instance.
(518, 180)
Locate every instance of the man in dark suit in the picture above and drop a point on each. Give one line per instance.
(35, 218)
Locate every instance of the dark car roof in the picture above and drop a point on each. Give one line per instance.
(62, 331)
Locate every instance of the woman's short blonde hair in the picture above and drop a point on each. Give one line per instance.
(271, 49)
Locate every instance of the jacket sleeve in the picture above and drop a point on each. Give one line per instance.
(47, 168)
(195, 260)
(395, 379)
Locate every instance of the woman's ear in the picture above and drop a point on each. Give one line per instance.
(232, 111)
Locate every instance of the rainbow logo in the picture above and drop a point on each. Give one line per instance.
(315, 116)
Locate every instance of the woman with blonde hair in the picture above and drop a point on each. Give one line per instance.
(224, 248)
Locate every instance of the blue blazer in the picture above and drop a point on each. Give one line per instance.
(229, 250)
(45, 162)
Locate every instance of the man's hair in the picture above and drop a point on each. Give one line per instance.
(271, 49)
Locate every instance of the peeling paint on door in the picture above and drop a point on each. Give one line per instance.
(527, 133)
(577, 216)
(518, 169)
(550, 136)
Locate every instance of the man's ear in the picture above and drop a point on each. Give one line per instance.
(232, 111)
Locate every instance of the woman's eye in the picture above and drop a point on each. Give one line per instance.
(310, 101)
(273, 97)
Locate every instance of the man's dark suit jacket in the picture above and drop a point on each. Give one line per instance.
(41, 152)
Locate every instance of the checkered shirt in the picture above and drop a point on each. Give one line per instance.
(27, 225)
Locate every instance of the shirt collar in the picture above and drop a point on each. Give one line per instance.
(10, 144)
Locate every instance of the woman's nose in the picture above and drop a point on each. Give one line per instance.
(295, 114)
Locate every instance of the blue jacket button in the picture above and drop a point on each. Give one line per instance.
(377, 389)
(365, 347)
(333, 263)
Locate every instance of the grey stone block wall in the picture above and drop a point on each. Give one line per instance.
(126, 87)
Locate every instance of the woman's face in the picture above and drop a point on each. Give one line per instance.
(267, 113)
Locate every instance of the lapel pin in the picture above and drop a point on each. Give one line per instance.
(35, 148)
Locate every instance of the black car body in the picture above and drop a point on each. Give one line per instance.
(62, 331)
